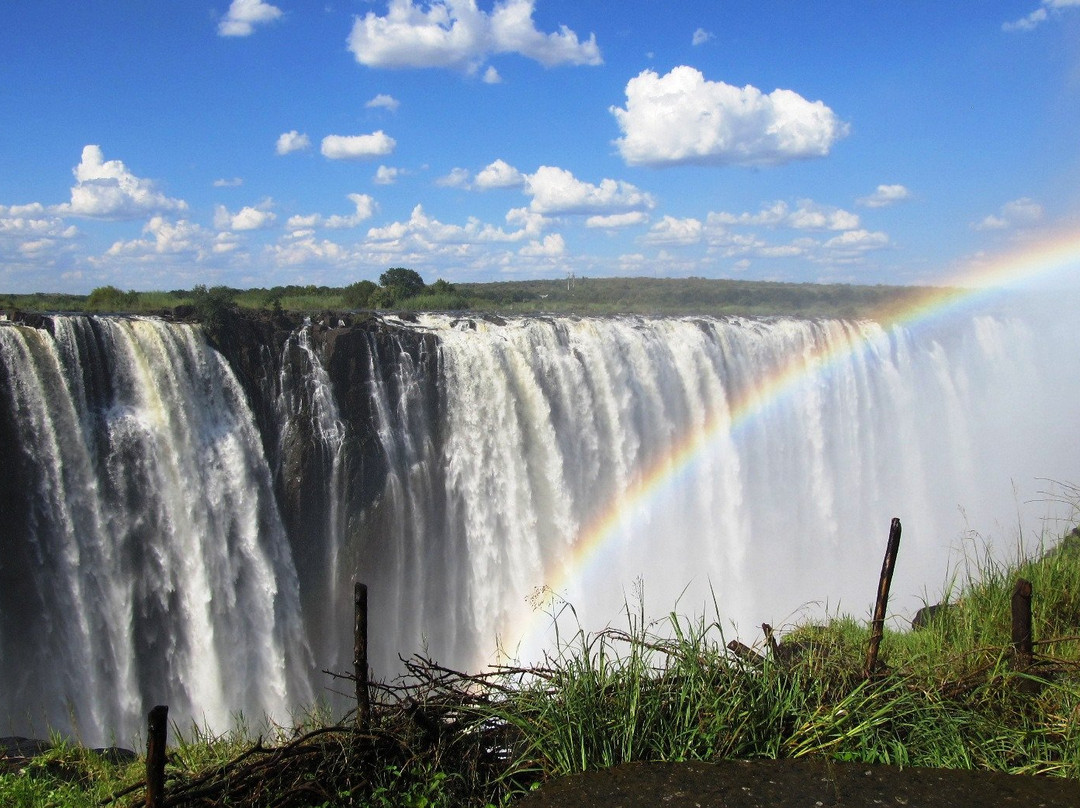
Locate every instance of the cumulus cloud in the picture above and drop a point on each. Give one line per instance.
(856, 241)
(672, 231)
(252, 217)
(365, 209)
(617, 220)
(498, 174)
(386, 175)
(556, 191)
(384, 101)
(1048, 9)
(552, 246)
(455, 34)
(884, 196)
(107, 190)
(491, 76)
(235, 182)
(301, 225)
(357, 147)
(244, 15)
(32, 232)
(165, 237)
(457, 178)
(683, 118)
(423, 232)
(293, 141)
(1022, 212)
(806, 215)
(701, 36)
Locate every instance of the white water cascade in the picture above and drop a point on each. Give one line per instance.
(741, 469)
(156, 569)
(774, 513)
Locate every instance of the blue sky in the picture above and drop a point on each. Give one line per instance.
(158, 145)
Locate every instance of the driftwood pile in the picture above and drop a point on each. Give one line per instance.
(429, 718)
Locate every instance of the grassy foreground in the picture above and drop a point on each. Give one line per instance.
(950, 695)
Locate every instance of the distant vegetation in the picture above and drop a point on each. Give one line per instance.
(402, 289)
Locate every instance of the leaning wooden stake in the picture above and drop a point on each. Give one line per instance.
(1022, 640)
(360, 656)
(877, 628)
(157, 729)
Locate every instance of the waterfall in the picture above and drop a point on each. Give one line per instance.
(181, 525)
(152, 565)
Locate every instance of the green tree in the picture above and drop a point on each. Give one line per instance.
(213, 305)
(358, 295)
(109, 298)
(383, 297)
(403, 282)
(442, 287)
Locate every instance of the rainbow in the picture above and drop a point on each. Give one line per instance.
(973, 282)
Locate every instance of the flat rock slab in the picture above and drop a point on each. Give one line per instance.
(798, 784)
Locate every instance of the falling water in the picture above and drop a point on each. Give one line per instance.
(167, 556)
(155, 567)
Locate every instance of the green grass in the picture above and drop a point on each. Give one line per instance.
(948, 696)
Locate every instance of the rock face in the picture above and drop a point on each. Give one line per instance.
(318, 387)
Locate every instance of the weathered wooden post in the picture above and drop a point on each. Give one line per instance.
(360, 655)
(1022, 639)
(157, 729)
(877, 628)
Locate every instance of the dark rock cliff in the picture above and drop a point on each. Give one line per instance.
(366, 359)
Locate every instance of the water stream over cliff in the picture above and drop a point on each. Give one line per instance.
(183, 517)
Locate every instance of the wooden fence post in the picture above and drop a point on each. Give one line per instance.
(360, 655)
(157, 730)
(877, 628)
(1022, 639)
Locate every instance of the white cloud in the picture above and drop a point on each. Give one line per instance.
(386, 175)
(1021, 212)
(552, 246)
(107, 190)
(1040, 15)
(293, 141)
(301, 226)
(384, 101)
(682, 118)
(670, 230)
(456, 34)
(491, 76)
(884, 196)
(244, 15)
(252, 217)
(856, 241)
(307, 250)
(165, 237)
(299, 223)
(701, 36)
(457, 178)
(30, 232)
(422, 232)
(498, 174)
(556, 190)
(365, 209)
(617, 220)
(235, 182)
(807, 215)
(357, 147)
(811, 216)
